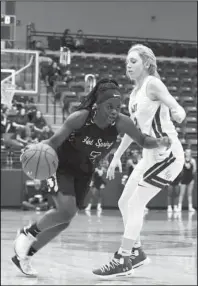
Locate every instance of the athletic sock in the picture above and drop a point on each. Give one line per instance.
(31, 251)
(33, 230)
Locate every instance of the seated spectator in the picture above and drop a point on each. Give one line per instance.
(67, 78)
(38, 120)
(24, 135)
(9, 128)
(80, 41)
(22, 117)
(64, 80)
(36, 196)
(67, 40)
(46, 133)
(51, 74)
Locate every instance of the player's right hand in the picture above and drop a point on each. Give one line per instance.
(111, 170)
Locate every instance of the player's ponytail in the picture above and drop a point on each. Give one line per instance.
(101, 86)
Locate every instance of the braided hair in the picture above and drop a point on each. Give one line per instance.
(101, 86)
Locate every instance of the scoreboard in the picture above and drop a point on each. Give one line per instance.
(8, 27)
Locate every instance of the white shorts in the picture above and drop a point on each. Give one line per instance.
(159, 171)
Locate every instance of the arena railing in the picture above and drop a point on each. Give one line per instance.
(33, 35)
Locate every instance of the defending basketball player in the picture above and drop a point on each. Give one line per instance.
(85, 138)
(150, 106)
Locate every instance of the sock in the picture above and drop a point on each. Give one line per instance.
(126, 247)
(137, 243)
(33, 230)
(31, 251)
(190, 206)
(124, 252)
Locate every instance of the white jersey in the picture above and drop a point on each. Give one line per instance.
(151, 117)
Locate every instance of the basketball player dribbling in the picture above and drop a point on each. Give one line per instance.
(150, 106)
(85, 138)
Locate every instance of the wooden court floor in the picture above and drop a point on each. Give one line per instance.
(90, 241)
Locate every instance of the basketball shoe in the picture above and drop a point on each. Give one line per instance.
(138, 257)
(21, 247)
(119, 266)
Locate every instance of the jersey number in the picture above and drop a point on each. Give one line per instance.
(93, 155)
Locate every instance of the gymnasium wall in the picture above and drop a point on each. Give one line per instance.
(174, 20)
(13, 182)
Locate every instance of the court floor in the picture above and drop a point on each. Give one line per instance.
(90, 241)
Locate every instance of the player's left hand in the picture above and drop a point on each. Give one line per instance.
(165, 142)
(113, 165)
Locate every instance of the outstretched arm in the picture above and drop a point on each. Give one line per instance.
(124, 145)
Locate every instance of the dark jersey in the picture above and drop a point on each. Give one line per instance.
(98, 178)
(86, 146)
(187, 174)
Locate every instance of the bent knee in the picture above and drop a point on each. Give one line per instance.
(122, 203)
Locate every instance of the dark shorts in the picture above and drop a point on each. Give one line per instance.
(70, 185)
(186, 180)
(97, 183)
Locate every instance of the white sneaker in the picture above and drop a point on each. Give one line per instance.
(179, 208)
(88, 208)
(99, 208)
(175, 208)
(169, 209)
(22, 244)
(191, 209)
(24, 265)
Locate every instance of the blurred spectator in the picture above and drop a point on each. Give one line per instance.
(173, 194)
(80, 41)
(97, 186)
(38, 46)
(4, 112)
(22, 117)
(51, 73)
(188, 180)
(67, 77)
(36, 196)
(67, 40)
(8, 127)
(38, 120)
(134, 158)
(23, 135)
(46, 133)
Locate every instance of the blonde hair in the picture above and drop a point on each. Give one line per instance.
(148, 57)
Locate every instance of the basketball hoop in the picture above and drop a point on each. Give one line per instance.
(7, 93)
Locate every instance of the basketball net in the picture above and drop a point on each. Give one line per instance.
(7, 93)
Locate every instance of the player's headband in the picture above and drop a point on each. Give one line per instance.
(105, 95)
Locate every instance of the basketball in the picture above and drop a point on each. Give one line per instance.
(39, 161)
